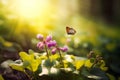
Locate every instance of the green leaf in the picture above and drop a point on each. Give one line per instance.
(84, 71)
(79, 63)
(94, 73)
(55, 57)
(48, 63)
(88, 64)
(43, 57)
(98, 73)
(18, 67)
(102, 66)
(39, 70)
(111, 77)
(1, 78)
(29, 61)
(7, 44)
(30, 51)
(26, 64)
(24, 56)
(92, 60)
(35, 64)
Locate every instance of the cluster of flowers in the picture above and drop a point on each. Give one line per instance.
(48, 43)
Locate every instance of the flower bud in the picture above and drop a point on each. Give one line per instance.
(90, 55)
(48, 38)
(51, 44)
(54, 50)
(40, 45)
(64, 49)
(40, 36)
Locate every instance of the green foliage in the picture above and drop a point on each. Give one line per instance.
(111, 77)
(48, 63)
(72, 68)
(94, 73)
(92, 60)
(1, 78)
(79, 64)
(30, 61)
(16, 66)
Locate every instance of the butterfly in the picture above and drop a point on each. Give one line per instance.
(70, 31)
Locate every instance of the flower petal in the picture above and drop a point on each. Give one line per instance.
(48, 38)
(54, 50)
(51, 44)
(40, 36)
(40, 45)
(64, 49)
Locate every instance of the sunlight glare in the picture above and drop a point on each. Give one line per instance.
(37, 13)
(30, 8)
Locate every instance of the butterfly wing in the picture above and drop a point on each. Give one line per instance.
(70, 31)
(67, 30)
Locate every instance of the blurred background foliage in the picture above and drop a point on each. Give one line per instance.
(96, 22)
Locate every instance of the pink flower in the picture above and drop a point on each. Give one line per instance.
(40, 45)
(48, 38)
(48, 43)
(64, 49)
(51, 44)
(54, 50)
(40, 36)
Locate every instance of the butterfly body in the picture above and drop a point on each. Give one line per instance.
(70, 31)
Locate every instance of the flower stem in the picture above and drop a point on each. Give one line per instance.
(46, 51)
(61, 62)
